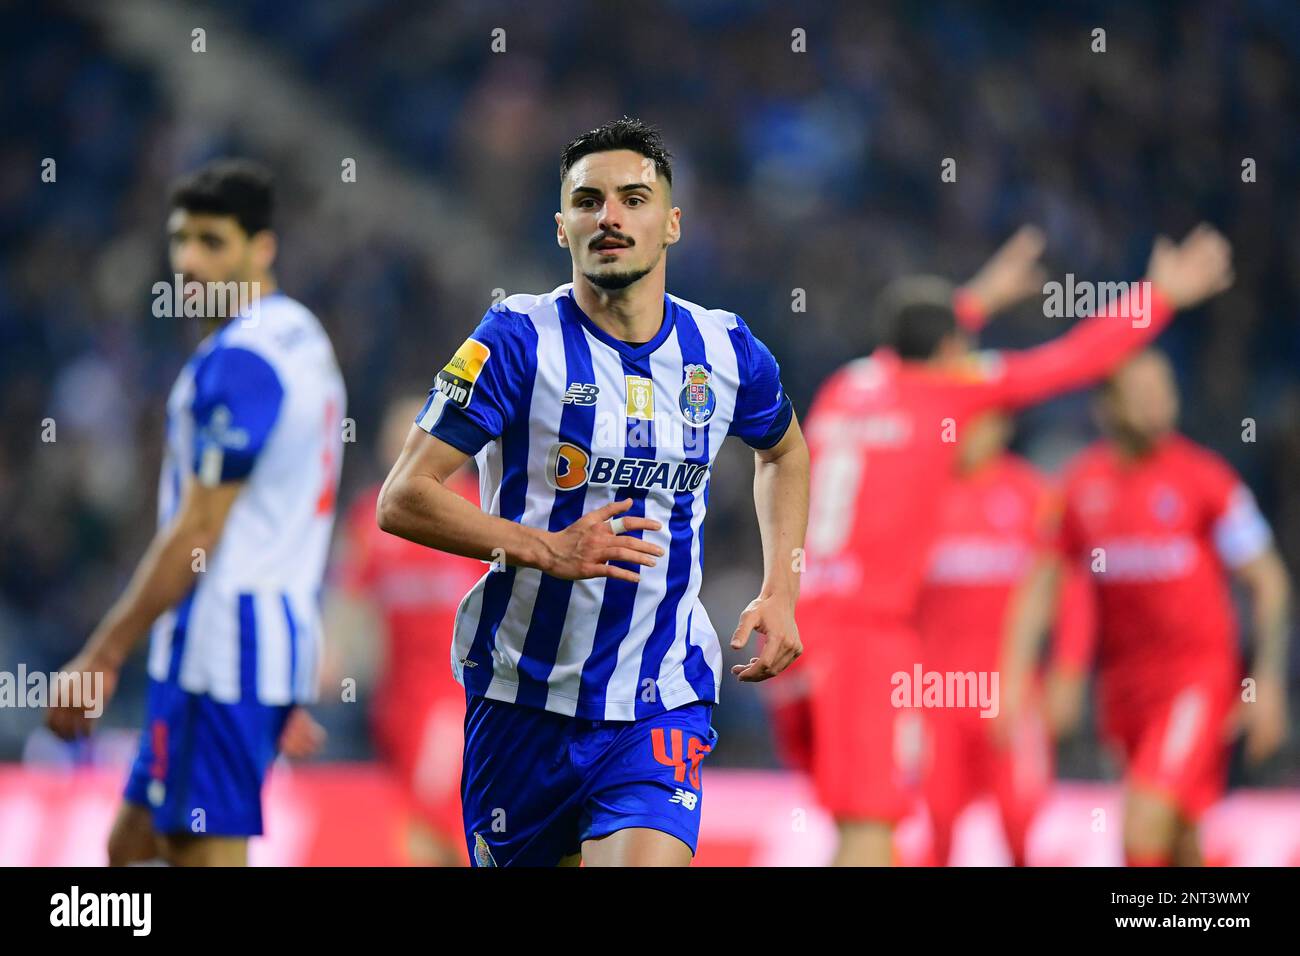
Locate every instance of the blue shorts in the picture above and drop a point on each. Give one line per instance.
(536, 784)
(202, 763)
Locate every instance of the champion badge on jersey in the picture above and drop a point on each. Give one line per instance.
(640, 397)
(457, 378)
(697, 400)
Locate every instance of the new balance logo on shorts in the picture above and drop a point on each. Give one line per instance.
(685, 798)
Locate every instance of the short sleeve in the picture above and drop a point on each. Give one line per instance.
(1241, 532)
(237, 399)
(763, 410)
(477, 394)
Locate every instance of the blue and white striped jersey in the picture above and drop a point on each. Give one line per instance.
(260, 401)
(563, 419)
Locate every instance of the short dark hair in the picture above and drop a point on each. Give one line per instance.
(914, 315)
(625, 133)
(228, 187)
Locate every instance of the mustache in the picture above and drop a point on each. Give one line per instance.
(617, 236)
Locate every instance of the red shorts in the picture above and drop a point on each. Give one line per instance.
(865, 751)
(1176, 745)
(964, 761)
(423, 742)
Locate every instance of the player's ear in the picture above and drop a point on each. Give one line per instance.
(264, 247)
(673, 232)
(560, 237)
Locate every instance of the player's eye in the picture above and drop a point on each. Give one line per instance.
(635, 201)
(587, 203)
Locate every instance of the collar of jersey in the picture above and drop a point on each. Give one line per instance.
(216, 335)
(623, 348)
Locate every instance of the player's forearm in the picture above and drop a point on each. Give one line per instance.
(1027, 620)
(1270, 605)
(781, 500)
(161, 580)
(1092, 349)
(420, 509)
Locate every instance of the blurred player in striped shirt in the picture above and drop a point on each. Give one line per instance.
(595, 412)
(228, 589)
(1159, 526)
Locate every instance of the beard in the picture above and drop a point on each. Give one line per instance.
(613, 281)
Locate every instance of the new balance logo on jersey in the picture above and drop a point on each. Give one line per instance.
(685, 798)
(580, 394)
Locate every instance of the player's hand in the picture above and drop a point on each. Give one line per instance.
(1012, 274)
(585, 548)
(773, 618)
(302, 736)
(70, 722)
(1264, 720)
(1193, 270)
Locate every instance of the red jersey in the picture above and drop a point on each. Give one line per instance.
(1157, 535)
(992, 524)
(417, 591)
(883, 435)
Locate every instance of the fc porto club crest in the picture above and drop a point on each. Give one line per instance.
(696, 399)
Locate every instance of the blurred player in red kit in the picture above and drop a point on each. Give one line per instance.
(884, 434)
(1161, 524)
(410, 595)
(993, 521)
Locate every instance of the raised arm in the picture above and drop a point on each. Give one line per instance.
(1011, 275)
(1178, 277)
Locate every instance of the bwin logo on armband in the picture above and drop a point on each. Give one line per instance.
(457, 378)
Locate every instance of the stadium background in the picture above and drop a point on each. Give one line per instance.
(816, 171)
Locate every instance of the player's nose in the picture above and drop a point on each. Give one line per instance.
(608, 217)
(185, 260)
